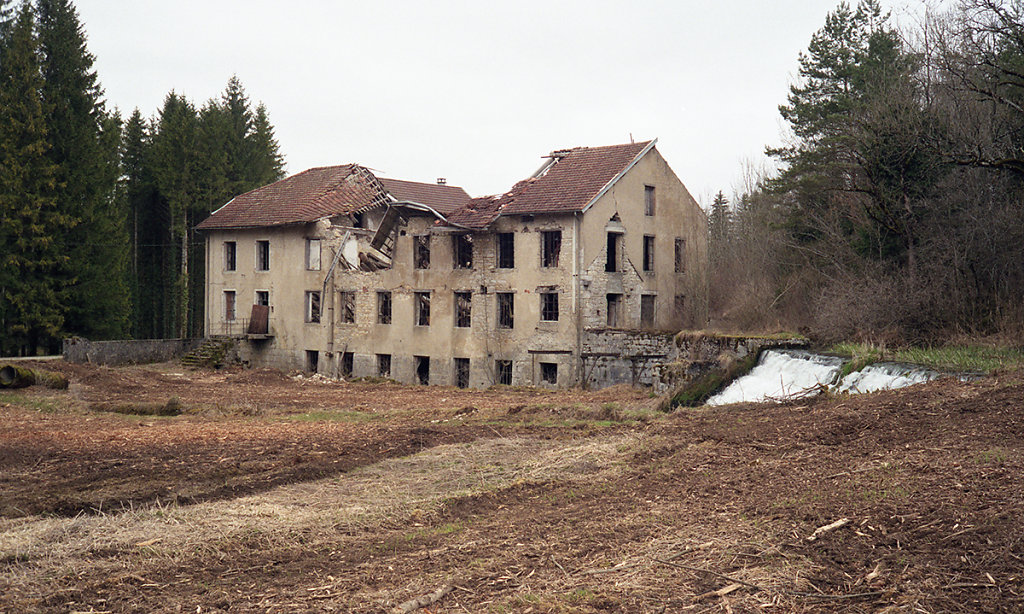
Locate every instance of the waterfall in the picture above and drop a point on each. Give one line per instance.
(785, 374)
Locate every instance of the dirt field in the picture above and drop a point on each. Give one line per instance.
(277, 494)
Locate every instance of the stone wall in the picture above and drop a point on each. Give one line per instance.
(124, 352)
(662, 360)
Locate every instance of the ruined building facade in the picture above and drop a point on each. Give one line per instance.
(338, 271)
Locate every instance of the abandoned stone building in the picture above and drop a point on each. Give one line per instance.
(338, 271)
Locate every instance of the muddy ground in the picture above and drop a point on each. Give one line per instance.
(280, 494)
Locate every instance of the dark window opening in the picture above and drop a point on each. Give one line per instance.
(263, 297)
(312, 306)
(648, 252)
(611, 263)
(230, 253)
(551, 247)
(549, 306)
(421, 251)
(358, 221)
(229, 306)
(463, 309)
(462, 372)
(347, 313)
(347, 359)
(422, 369)
(462, 250)
(680, 255)
(614, 307)
(312, 361)
(383, 308)
(422, 309)
(263, 255)
(506, 250)
(647, 310)
(549, 372)
(506, 313)
(384, 365)
(648, 200)
(503, 372)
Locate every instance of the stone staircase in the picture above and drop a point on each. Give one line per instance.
(214, 353)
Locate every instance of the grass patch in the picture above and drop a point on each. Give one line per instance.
(969, 358)
(172, 407)
(40, 404)
(346, 415)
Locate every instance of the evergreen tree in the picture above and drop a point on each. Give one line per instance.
(84, 142)
(718, 228)
(266, 165)
(31, 295)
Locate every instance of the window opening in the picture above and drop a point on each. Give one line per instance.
(312, 361)
(551, 247)
(229, 306)
(421, 251)
(506, 313)
(648, 252)
(549, 372)
(680, 254)
(263, 297)
(358, 221)
(263, 255)
(347, 314)
(611, 263)
(422, 309)
(647, 309)
(312, 254)
(347, 360)
(384, 365)
(614, 306)
(422, 369)
(463, 309)
(462, 250)
(383, 308)
(462, 372)
(648, 200)
(313, 306)
(506, 250)
(503, 372)
(549, 306)
(230, 254)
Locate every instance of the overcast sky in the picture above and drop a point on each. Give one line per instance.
(473, 91)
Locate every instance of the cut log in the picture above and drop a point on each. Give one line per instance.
(12, 376)
(424, 601)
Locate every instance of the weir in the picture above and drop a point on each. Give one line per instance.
(786, 374)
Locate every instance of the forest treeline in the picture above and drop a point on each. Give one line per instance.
(897, 212)
(96, 211)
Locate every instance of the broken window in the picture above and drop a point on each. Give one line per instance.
(461, 372)
(549, 372)
(462, 250)
(422, 369)
(383, 307)
(506, 250)
(647, 310)
(648, 200)
(422, 308)
(263, 255)
(347, 300)
(550, 247)
(549, 306)
(505, 309)
(347, 360)
(263, 297)
(312, 254)
(230, 253)
(358, 221)
(614, 308)
(229, 306)
(503, 372)
(648, 252)
(463, 309)
(384, 365)
(313, 306)
(421, 251)
(312, 361)
(611, 263)
(680, 255)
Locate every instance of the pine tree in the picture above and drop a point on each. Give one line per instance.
(266, 165)
(84, 141)
(718, 228)
(31, 295)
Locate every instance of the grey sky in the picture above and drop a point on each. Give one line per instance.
(472, 91)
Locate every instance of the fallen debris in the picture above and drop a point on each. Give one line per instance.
(423, 601)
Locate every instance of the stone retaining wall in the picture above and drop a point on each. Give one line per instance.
(125, 352)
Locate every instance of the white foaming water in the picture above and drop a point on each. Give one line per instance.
(885, 376)
(781, 374)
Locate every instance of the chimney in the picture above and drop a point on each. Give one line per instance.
(442, 181)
